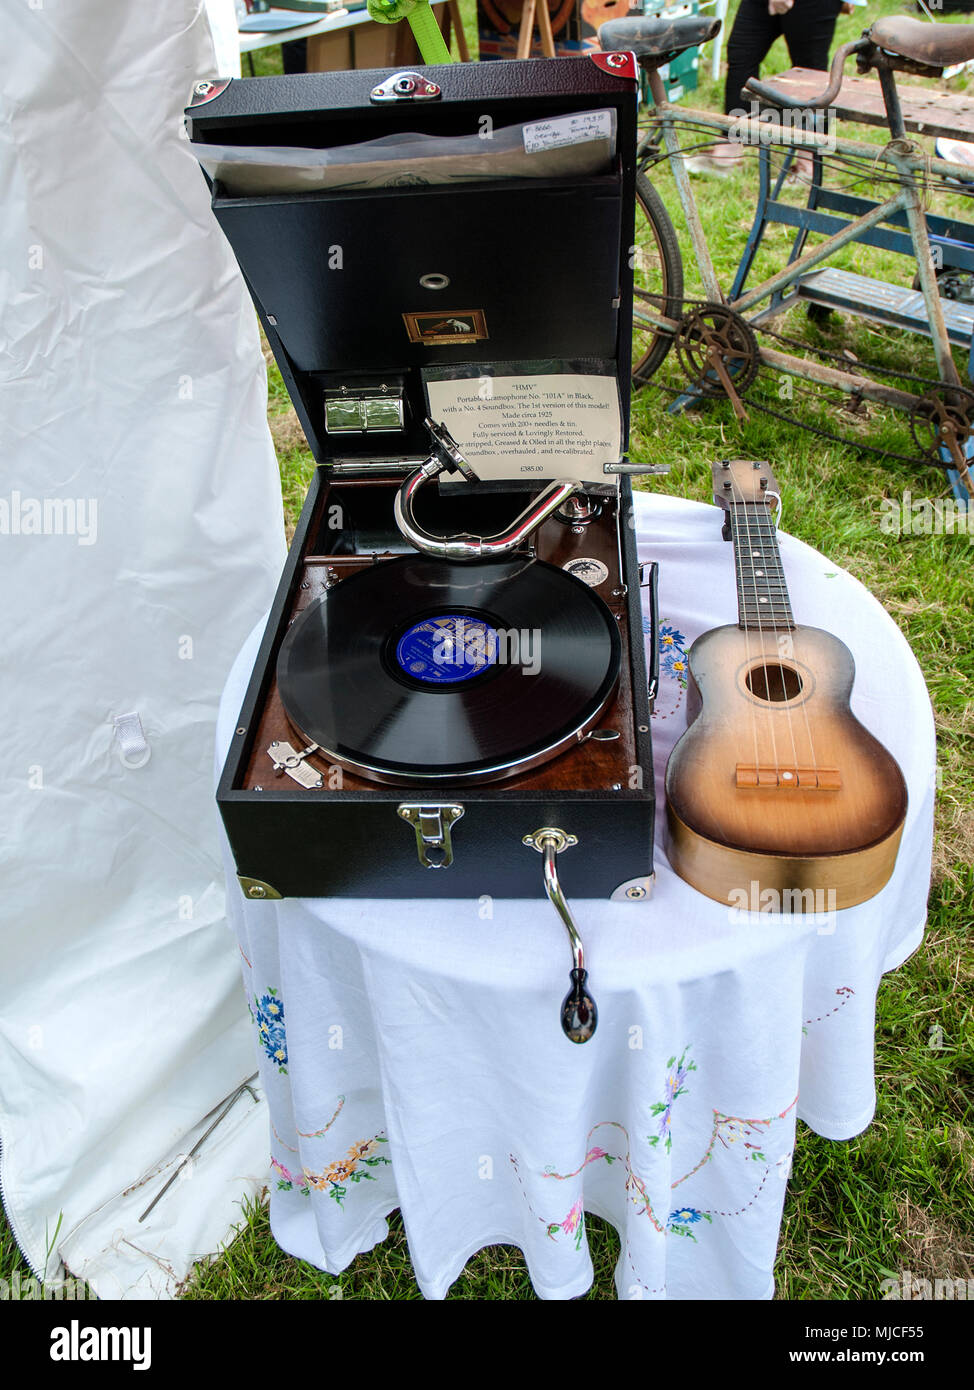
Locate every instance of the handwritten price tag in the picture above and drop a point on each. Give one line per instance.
(567, 130)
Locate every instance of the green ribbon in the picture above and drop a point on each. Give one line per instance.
(422, 21)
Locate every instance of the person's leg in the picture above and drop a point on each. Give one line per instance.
(295, 55)
(754, 31)
(809, 27)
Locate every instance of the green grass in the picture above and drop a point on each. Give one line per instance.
(254, 1267)
(901, 1195)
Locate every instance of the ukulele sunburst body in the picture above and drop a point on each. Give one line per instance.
(776, 785)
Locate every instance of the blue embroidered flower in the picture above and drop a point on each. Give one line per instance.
(672, 653)
(685, 1216)
(674, 663)
(270, 1028)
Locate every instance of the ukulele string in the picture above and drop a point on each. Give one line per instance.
(769, 714)
(739, 566)
(794, 652)
(768, 545)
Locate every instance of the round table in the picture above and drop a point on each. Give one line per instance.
(411, 1053)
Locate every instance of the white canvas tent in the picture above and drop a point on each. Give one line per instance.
(140, 538)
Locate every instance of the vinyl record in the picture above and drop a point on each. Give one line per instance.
(418, 669)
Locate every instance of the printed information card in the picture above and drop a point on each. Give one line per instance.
(549, 426)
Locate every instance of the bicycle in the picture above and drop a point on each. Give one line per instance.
(715, 339)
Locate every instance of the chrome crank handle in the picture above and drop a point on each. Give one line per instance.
(579, 1012)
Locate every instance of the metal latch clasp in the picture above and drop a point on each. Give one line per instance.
(406, 86)
(432, 825)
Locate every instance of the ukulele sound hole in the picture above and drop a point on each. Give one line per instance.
(774, 682)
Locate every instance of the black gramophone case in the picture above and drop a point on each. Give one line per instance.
(498, 278)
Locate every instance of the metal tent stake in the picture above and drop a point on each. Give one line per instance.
(231, 1102)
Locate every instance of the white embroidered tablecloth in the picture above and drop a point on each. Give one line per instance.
(412, 1055)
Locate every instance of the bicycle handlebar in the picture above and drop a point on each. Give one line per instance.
(771, 94)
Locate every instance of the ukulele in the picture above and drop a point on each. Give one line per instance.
(777, 797)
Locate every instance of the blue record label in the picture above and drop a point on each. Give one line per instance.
(447, 649)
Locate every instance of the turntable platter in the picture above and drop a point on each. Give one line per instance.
(422, 670)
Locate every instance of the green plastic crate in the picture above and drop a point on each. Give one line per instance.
(680, 76)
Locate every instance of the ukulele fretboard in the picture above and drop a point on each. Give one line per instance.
(762, 594)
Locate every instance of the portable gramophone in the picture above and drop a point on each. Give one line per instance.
(452, 679)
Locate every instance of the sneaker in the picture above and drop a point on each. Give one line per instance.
(723, 157)
(802, 169)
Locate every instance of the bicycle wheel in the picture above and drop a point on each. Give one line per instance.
(658, 280)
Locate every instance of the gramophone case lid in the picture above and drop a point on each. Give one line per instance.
(374, 283)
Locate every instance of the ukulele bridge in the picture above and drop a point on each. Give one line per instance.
(823, 779)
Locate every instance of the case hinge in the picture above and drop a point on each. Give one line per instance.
(365, 410)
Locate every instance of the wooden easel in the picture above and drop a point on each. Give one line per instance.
(526, 31)
(454, 21)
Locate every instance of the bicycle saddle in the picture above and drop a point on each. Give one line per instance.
(936, 45)
(656, 39)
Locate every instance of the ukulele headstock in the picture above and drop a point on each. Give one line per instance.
(743, 480)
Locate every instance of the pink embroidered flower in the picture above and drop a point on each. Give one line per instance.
(282, 1170)
(570, 1223)
(730, 1130)
(594, 1154)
